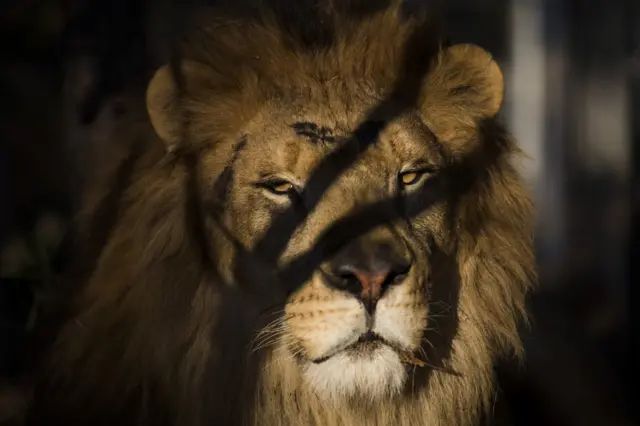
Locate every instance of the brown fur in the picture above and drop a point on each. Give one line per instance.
(161, 332)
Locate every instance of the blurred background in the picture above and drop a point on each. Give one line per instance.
(572, 69)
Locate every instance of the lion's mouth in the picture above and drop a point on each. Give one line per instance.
(366, 344)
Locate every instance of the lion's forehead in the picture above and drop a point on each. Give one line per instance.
(299, 145)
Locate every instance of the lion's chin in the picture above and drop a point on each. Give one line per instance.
(370, 373)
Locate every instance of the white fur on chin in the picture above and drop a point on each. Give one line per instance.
(345, 375)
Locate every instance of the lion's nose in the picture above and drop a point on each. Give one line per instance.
(369, 282)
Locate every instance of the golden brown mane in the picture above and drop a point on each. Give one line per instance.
(160, 335)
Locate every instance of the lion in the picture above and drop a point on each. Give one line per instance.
(319, 223)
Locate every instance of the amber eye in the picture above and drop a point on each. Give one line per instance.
(280, 187)
(411, 178)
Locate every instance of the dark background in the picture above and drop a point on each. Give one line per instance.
(573, 101)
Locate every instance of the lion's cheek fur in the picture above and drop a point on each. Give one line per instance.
(401, 316)
(318, 319)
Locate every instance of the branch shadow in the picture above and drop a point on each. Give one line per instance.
(442, 320)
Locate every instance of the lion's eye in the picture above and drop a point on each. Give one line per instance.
(412, 177)
(280, 187)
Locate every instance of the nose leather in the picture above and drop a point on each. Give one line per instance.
(371, 283)
(368, 266)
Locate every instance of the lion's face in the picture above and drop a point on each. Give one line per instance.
(361, 299)
(344, 213)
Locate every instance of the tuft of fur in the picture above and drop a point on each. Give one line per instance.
(159, 334)
(383, 373)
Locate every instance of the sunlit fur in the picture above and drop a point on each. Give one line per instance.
(182, 323)
(376, 376)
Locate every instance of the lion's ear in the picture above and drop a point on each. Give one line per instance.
(164, 96)
(464, 86)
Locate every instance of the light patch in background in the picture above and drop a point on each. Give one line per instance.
(536, 80)
(605, 129)
(526, 83)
